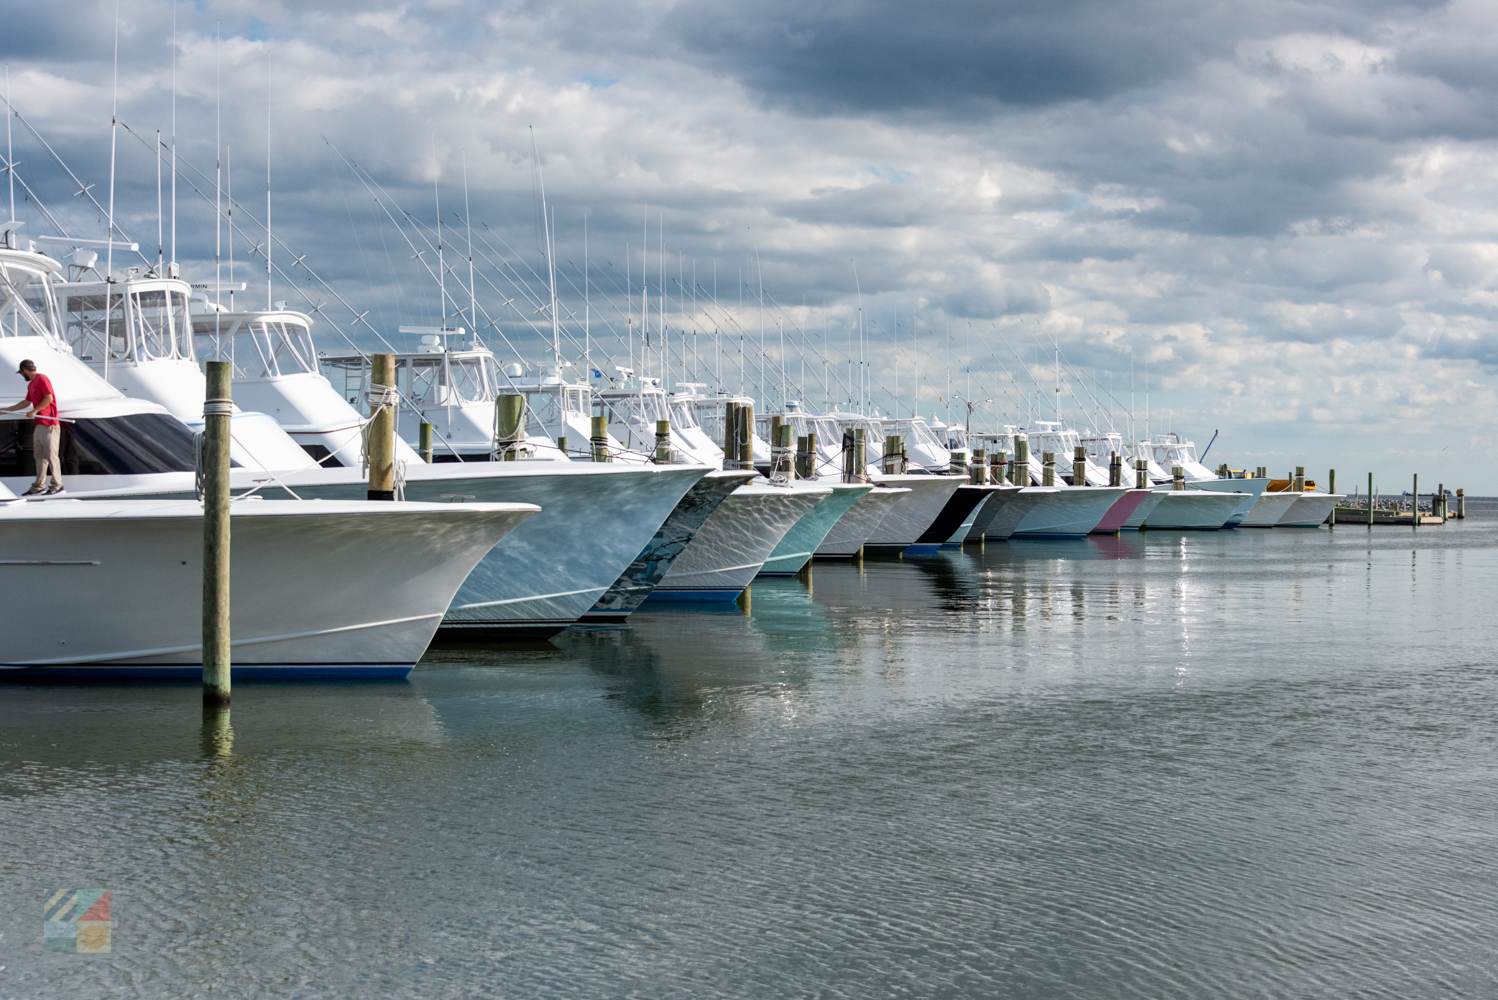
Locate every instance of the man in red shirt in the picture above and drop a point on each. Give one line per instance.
(47, 433)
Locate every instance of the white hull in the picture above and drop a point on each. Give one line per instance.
(1252, 487)
(317, 589)
(854, 528)
(1142, 512)
(734, 543)
(914, 512)
(1268, 510)
(1191, 510)
(1069, 513)
(796, 548)
(595, 520)
(648, 568)
(1310, 511)
(1015, 510)
(989, 513)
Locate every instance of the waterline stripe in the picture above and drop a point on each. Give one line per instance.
(532, 597)
(165, 650)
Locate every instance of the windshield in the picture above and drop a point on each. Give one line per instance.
(258, 347)
(442, 380)
(645, 408)
(161, 324)
(27, 308)
(137, 444)
(682, 416)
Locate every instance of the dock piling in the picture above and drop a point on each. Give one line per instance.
(663, 442)
(1019, 470)
(1299, 485)
(1141, 474)
(1048, 468)
(1177, 477)
(1115, 469)
(381, 430)
(1079, 466)
(1331, 487)
(509, 426)
(744, 428)
(424, 442)
(599, 442)
(978, 470)
(218, 409)
(1415, 503)
(1461, 505)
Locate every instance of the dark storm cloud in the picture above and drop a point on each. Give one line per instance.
(958, 57)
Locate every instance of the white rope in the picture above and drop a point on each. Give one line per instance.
(218, 407)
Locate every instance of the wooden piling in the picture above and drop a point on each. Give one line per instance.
(1048, 468)
(424, 442)
(218, 408)
(1115, 469)
(509, 426)
(1461, 505)
(1331, 487)
(663, 442)
(1141, 474)
(562, 445)
(1415, 503)
(1370, 499)
(978, 469)
(1177, 477)
(381, 448)
(745, 431)
(730, 435)
(1020, 470)
(599, 442)
(894, 455)
(1299, 485)
(1079, 466)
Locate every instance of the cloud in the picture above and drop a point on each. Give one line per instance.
(1284, 209)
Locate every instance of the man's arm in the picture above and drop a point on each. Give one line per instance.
(45, 401)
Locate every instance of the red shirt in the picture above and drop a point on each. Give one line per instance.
(38, 389)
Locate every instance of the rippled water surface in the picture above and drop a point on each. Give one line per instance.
(1237, 764)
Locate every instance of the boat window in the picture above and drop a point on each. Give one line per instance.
(132, 445)
(544, 406)
(642, 408)
(576, 400)
(258, 348)
(682, 416)
(472, 379)
(86, 322)
(161, 324)
(27, 308)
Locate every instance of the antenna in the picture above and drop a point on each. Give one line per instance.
(859, 288)
(229, 215)
(441, 268)
(174, 138)
(159, 247)
(114, 119)
(10, 156)
(268, 293)
(218, 188)
(587, 307)
(473, 300)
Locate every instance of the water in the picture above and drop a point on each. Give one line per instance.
(1240, 764)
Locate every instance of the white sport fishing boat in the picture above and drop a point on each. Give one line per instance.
(798, 546)
(136, 334)
(1310, 509)
(1269, 509)
(734, 542)
(276, 372)
(542, 578)
(1191, 510)
(642, 575)
(110, 444)
(318, 589)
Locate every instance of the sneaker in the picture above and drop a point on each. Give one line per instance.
(55, 490)
(35, 491)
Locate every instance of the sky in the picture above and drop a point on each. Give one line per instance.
(1279, 214)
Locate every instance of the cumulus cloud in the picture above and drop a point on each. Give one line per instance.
(1284, 211)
